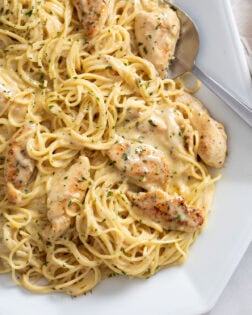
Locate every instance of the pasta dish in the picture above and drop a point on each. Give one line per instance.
(104, 161)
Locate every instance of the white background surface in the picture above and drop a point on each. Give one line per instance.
(236, 298)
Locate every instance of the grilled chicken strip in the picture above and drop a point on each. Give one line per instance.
(157, 34)
(67, 188)
(170, 211)
(94, 14)
(19, 165)
(213, 138)
(145, 165)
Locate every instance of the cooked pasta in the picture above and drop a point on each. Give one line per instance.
(67, 220)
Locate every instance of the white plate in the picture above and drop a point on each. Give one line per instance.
(194, 287)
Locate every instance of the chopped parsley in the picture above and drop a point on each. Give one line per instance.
(82, 179)
(178, 217)
(125, 156)
(29, 13)
(150, 121)
(138, 150)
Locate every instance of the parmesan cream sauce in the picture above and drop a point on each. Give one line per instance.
(161, 131)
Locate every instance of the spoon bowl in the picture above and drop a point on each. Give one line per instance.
(187, 46)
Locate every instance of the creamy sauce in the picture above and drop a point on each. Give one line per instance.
(162, 132)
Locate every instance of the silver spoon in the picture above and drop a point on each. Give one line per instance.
(185, 55)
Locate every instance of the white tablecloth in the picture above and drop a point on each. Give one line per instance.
(237, 297)
(243, 14)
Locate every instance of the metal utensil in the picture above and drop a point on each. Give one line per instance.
(185, 55)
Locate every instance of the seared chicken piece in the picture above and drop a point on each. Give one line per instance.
(157, 34)
(67, 188)
(142, 163)
(213, 139)
(19, 165)
(170, 211)
(94, 14)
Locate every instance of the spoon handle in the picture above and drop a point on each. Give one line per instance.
(235, 104)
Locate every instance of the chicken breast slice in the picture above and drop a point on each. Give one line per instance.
(212, 136)
(157, 34)
(19, 166)
(94, 14)
(67, 189)
(146, 166)
(170, 211)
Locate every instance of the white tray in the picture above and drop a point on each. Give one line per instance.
(193, 288)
